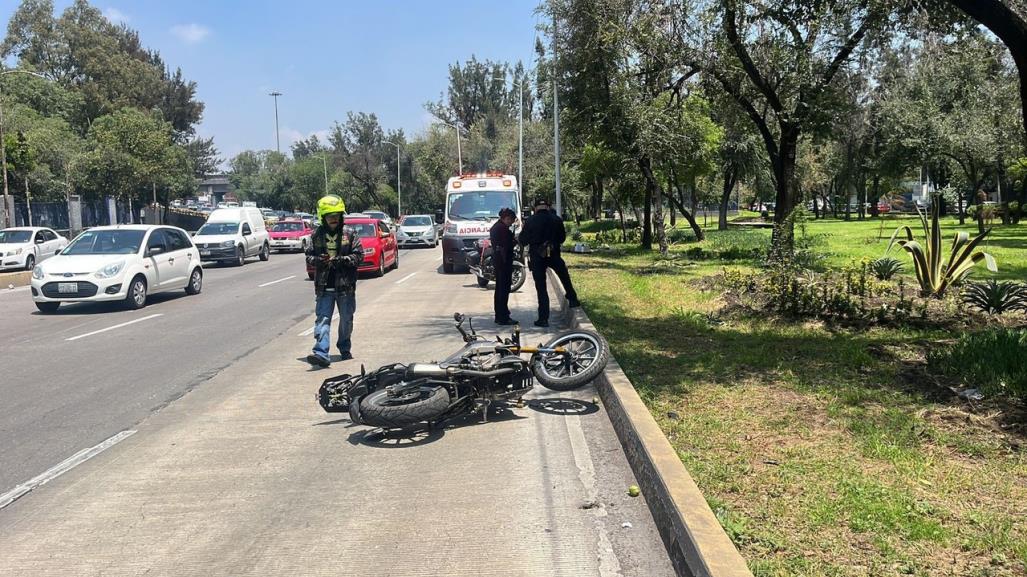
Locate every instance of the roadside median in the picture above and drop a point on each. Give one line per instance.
(15, 279)
(695, 541)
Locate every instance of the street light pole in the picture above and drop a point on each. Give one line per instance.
(459, 156)
(556, 123)
(8, 213)
(278, 144)
(399, 181)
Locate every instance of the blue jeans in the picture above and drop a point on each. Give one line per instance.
(326, 304)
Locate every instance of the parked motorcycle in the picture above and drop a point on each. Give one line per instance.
(479, 374)
(479, 260)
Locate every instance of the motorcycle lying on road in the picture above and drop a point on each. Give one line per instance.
(481, 373)
(479, 260)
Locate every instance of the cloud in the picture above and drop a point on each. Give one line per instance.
(291, 136)
(190, 33)
(116, 16)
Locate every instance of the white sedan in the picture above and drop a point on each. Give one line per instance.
(23, 248)
(118, 263)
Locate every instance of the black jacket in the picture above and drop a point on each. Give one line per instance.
(502, 239)
(543, 229)
(342, 270)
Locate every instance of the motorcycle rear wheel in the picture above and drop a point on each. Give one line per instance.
(483, 282)
(589, 355)
(379, 410)
(518, 277)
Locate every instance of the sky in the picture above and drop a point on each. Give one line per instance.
(326, 57)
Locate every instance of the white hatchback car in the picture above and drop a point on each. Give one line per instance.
(118, 263)
(25, 247)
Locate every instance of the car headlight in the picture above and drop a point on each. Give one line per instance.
(228, 243)
(368, 251)
(15, 252)
(110, 270)
(37, 273)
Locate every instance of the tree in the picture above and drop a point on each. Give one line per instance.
(204, 157)
(781, 57)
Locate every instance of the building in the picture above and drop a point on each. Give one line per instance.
(217, 188)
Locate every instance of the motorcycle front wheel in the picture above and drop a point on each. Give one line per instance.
(380, 410)
(587, 355)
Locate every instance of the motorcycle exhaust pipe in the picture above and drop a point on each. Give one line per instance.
(473, 373)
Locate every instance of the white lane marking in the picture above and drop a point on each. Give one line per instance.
(115, 327)
(307, 332)
(406, 278)
(275, 281)
(61, 468)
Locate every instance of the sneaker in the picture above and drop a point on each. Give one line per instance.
(318, 361)
(574, 303)
(346, 356)
(543, 324)
(506, 322)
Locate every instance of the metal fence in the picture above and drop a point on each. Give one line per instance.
(55, 214)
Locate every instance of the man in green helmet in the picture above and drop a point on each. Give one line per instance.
(335, 252)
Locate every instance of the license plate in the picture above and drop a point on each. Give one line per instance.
(204, 253)
(67, 287)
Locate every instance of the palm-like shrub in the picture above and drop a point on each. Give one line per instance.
(995, 297)
(934, 272)
(886, 267)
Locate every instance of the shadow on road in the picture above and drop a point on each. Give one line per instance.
(396, 438)
(562, 407)
(99, 308)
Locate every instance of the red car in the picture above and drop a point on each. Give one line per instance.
(379, 243)
(292, 235)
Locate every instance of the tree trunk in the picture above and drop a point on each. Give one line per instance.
(700, 234)
(876, 197)
(782, 241)
(620, 213)
(658, 222)
(650, 187)
(725, 197)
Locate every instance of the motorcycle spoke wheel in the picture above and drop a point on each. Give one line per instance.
(585, 357)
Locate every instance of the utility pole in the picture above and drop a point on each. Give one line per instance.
(556, 122)
(278, 145)
(399, 181)
(459, 156)
(520, 141)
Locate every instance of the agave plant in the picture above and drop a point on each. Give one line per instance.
(933, 272)
(995, 297)
(886, 267)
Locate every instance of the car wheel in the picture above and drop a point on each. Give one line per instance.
(136, 297)
(30, 263)
(48, 308)
(195, 282)
(395, 262)
(448, 268)
(265, 253)
(381, 266)
(240, 256)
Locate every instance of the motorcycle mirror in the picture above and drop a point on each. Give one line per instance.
(363, 372)
(458, 317)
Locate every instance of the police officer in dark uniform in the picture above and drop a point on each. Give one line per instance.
(543, 234)
(502, 239)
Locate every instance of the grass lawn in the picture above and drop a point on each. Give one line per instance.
(823, 450)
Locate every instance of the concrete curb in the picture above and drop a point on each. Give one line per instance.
(17, 279)
(695, 541)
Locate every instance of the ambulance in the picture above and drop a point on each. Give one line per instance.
(473, 202)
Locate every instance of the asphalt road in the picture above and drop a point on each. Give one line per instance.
(234, 469)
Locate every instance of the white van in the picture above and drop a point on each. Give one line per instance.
(231, 235)
(473, 202)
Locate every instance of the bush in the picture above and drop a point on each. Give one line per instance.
(996, 298)
(577, 236)
(886, 267)
(678, 235)
(994, 361)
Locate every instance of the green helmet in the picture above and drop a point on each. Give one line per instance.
(330, 204)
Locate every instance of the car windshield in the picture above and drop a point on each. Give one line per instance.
(287, 227)
(363, 230)
(417, 221)
(481, 204)
(106, 242)
(212, 228)
(15, 236)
